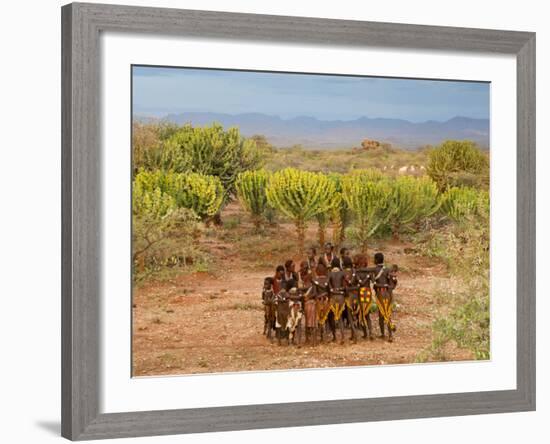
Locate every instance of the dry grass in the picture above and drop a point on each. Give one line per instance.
(344, 160)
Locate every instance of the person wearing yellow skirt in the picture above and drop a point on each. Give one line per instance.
(385, 281)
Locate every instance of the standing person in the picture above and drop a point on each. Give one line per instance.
(311, 260)
(338, 283)
(328, 256)
(278, 279)
(268, 301)
(338, 262)
(385, 280)
(362, 292)
(305, 287)
(290, 274)
(305, 275)
(320, 291)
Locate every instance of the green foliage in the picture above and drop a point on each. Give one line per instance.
(301, 195)
(412, 199)
(468, 325)
(462, 204)
(340, 214)
(210, 151)
(201, 193)
(151, 196)
(164, 242)
(147, 143)
(369, 198)
(456, 163)
(465, 250)
(161, 191)
(251, 190)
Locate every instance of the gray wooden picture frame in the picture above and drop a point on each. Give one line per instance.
(81, 231)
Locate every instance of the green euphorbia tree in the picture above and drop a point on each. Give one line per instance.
(369, 198)
(301, 195)
(251, 191)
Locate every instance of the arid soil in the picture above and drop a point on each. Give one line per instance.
(205, 322)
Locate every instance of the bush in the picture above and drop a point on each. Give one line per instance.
(458, 163)
(369, 198)
(209, 151)
(412, 199)
(165, 242)
(463, 204)
(465, 250)
(251, 190)
(201, 193)
(147, 143)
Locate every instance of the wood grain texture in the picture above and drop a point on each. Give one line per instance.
(81, 230)
(80, 221)
(526, 221)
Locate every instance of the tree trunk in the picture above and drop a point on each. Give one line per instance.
(257, 220)
(321, 234)
(301, 232)
(338, 233)
(217, 219)
(395, 231)
(363, 239)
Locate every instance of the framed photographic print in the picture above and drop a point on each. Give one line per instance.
(278, 221)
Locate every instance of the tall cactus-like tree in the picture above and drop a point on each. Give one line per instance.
(460, 204)
(412, 199)
(300, 195)
(251, 191)
(340, 214)
(212, 151)
(370, 201)
(333, 216)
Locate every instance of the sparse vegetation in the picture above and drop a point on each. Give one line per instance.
(438, 197)
(458, 163)
(464, 248)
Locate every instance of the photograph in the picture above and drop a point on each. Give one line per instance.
(287, 221)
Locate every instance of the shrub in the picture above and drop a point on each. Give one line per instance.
(201, 193)
(456, 163)
(165, 241)
(369, 198)
(461, 204)
(210, 151)
(147, 143)
(465, 250)
(251, 190)
(412, 199)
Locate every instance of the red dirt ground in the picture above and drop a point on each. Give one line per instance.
(203, 323)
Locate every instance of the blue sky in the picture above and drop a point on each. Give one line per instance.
(160, 91)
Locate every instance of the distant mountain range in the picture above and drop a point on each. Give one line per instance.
(313, 133)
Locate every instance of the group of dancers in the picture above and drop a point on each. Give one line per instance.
(329, 292)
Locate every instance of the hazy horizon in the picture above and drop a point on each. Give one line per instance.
(159, 91)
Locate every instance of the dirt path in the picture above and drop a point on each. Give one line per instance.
(203, 323)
